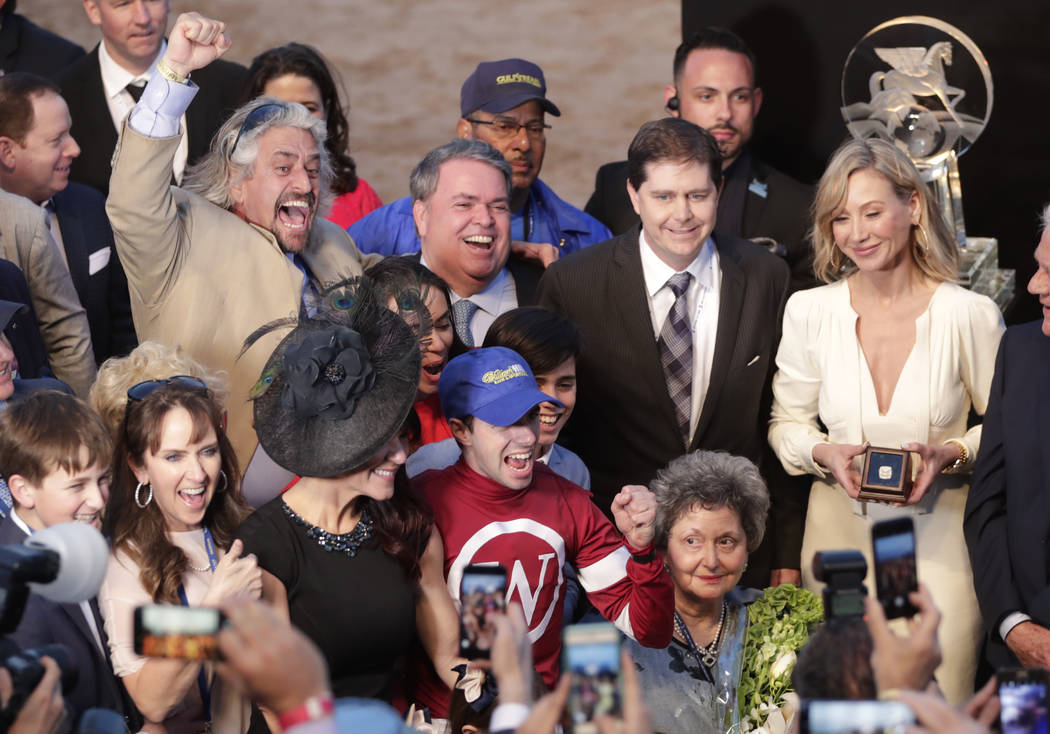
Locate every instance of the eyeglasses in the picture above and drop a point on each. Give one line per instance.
(262, 113)
(507, 127)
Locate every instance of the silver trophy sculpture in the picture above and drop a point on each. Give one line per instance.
(924, 86)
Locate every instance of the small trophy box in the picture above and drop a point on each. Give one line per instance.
(886, 476)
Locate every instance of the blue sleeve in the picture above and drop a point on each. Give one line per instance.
(389, 230)
(160, 110)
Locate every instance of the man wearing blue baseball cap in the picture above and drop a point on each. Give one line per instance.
(497, 505)
(503, 103)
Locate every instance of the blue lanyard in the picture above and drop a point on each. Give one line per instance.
(203, 687)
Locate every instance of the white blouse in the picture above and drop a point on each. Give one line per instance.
(822, 372)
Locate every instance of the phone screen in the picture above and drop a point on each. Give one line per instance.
(1022, 695)
(168, 631)
(482, 591)
(855, 717)
(591, 655)
(893, 543)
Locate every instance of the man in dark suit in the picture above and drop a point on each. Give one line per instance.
(36, 150)
(1008, 508)
(102, 88)
(50, 486)
(679, 331)
(714, 87)
(25, 46)
(461, 209)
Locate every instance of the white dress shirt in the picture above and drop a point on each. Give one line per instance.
(498, 297)
(702, 297)
(114, 80)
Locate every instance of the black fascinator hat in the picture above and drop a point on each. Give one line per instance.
(339, 386)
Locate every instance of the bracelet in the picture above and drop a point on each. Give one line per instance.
(961, 461)
(314, 708)
(170, 74)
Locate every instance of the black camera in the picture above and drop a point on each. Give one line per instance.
(842, 572)
(64, 563)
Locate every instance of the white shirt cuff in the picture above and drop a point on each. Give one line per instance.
(163, 103)
(508, 716)
(1011, 621)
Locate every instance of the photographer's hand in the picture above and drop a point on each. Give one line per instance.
(905, 663)
(44, 710)
(269, 657)
(936, 716)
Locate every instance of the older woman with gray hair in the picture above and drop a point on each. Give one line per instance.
(711, 513)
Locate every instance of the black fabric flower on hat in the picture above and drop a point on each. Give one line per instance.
(326, 373)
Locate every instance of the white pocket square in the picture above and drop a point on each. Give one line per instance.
(98, 260)
(753, 360)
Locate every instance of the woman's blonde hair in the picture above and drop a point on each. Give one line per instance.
(147, 361)
(933, 247)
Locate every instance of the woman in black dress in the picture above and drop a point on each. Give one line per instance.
(355, 552)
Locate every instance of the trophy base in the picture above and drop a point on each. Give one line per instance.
(980, 272)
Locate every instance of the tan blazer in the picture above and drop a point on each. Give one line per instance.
(202, 278)
(25, 241)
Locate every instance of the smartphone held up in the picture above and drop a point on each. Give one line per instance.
(169, 631)
(482, 591)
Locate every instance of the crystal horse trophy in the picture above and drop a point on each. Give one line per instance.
(923, 85)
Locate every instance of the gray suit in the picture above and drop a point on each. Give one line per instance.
(25, 241)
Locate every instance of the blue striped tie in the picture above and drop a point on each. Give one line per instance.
(676, 353)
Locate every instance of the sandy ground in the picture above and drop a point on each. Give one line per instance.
(403, 62)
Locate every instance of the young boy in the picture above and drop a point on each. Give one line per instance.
(550, 344)
(497, 505)
(55, 454)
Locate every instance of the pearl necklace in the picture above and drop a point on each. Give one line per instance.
(708, 654)
(198, 569)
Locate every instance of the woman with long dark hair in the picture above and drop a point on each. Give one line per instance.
(356, 552)
(173, 510)
(298, 73)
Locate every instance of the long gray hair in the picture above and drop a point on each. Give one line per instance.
(224, 165)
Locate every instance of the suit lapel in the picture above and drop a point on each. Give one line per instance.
(627, 284)
(73, 241)
(730, 303)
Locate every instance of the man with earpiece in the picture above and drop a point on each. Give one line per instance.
(714, 87)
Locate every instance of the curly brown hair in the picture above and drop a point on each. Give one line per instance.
(142, 533)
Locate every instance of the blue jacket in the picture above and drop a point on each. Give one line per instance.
(390, 229)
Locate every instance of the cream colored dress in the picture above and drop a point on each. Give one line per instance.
(121, 592)
(822, 372)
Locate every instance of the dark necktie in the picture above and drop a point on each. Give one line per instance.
(135, 89)
(463, 311)
(676, 353)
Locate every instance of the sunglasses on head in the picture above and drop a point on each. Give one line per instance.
(261, 114)
(138, 393)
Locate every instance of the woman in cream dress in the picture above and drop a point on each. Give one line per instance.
(890, 353)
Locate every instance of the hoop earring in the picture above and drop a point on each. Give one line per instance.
(922, 240)
(225, 482)
(149, 498)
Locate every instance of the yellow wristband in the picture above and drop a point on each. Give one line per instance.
(168, 73)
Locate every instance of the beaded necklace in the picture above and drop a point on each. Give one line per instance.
(707, 654)
(348, 543)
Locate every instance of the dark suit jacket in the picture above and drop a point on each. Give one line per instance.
(782, 214)
(25, 46)
(1007, 521)
(624, 426)
(81, 213)
(23, 332)
(220, 87)
(45, 622)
